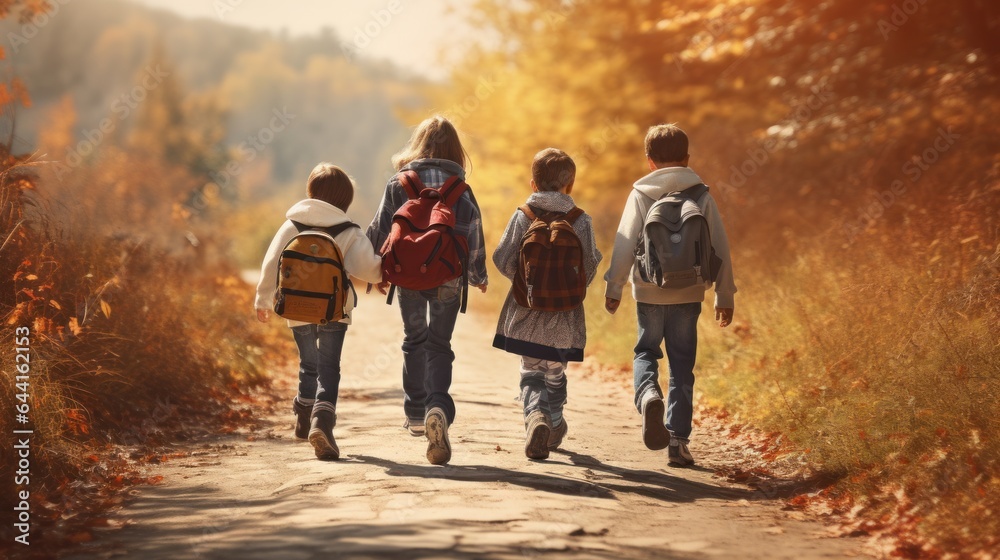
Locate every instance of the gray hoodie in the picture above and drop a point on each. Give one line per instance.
(644, 193)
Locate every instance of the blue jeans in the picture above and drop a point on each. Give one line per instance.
(319, 360)
(678, 326)
(428, 322)
(543, 387)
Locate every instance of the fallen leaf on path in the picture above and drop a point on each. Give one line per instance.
(81, 537)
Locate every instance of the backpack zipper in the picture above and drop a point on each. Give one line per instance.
(437, 247)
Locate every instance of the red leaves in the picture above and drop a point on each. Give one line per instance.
(77, 422)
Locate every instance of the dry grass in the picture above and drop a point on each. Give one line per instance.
(884, 373)
(139, 326)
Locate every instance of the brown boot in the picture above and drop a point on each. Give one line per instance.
(302, 414)
(321, 435)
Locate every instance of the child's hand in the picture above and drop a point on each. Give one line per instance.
(724, 316)
(612, 304)
(263, 315)
(382, 287)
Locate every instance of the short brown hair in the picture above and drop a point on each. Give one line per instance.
(329, 183)
(434, 138)
(666, 143)
(553, 170)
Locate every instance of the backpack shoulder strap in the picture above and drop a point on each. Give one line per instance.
(573, 215)
(452, 190)
(411, 183)
(336, 230)
(528, 212)
(695, 192)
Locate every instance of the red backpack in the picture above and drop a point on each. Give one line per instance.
(423, 251)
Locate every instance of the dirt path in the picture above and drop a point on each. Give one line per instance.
(605, 496)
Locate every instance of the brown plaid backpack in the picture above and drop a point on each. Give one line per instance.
(550, 274)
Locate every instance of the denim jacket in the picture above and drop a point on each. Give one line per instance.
(468, 219)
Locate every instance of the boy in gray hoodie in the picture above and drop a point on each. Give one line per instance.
(546, 340)
(667, 315)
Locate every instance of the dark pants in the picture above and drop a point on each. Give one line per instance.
(678, 326)
(428, 323)
(319, 360)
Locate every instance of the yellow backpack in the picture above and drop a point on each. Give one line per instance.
(313, 285)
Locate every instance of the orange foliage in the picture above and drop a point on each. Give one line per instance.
(851, 146)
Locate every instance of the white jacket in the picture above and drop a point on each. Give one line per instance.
(644, 193)
(360, 259)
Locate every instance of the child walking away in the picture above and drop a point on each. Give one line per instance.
(672, 240)
(305, 278)
(429, 229)
(549, 253)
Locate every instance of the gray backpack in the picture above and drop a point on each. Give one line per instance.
(675, 248)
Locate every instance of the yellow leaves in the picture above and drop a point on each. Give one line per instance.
(106, 309)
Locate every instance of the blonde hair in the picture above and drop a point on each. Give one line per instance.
(435, 138)
(331, 184)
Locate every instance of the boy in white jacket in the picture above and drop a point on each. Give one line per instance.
(667, 315)
(330, 193)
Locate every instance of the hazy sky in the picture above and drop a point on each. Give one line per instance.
(413, 36)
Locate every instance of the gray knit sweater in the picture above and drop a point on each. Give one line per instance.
(546, 335)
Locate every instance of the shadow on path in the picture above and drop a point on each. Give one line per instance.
(649, 484)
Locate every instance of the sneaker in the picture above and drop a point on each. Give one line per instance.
(302, 414)
(321, 435)
(557, 434)
(678, 454)
(414, 426)
(654, 432)
(536, 444)
(436, 429)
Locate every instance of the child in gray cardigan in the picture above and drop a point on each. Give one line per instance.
(545, 340)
